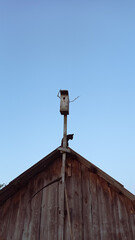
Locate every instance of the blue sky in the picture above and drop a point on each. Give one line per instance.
(87, 47)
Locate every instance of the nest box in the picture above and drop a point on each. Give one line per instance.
(64, 102)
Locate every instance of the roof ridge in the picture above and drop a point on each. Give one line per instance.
(23, 178)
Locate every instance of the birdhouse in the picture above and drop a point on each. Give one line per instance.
(64, 102)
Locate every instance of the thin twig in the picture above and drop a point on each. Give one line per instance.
(74, 99)
(58, 95)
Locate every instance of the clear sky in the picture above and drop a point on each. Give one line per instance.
(87, 47)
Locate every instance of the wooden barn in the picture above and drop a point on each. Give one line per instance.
(96, 207)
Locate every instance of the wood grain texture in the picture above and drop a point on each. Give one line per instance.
(86, 204)
(20, 216)
(5, 216)
(75, 202)
(32, 209)
(94, 207)
(97, 211)
(49, 213)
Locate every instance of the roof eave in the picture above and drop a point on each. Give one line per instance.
(114, 183)
(22, 179)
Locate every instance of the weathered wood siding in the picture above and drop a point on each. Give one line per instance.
(97, 210)
(32, 213)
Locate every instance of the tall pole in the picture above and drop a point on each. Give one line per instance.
(64, 146)
(64, 110)
(63, 176)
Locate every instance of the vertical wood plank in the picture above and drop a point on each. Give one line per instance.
(131, 217)
(15, 227)
(132, 221)
(105, 213)
(32, 208)
(109, 209)
(123, 219)
(32, 230)
(5, 216)
(116, 215)
(86, 204)
(94, 207)
(128, 207)
(74, 195)
(49, 213)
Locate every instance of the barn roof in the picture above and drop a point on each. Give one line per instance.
(23, 179)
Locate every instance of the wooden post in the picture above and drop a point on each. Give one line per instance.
(62, 194)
